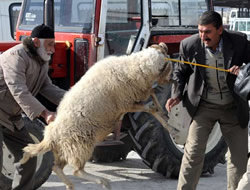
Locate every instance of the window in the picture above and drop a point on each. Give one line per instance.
(70, 15)
(248, 26)
(233, 15)
(122, 25)
(177, 12)
(242, 26)
(14, 10)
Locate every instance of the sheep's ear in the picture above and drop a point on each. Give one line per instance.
(164, 47)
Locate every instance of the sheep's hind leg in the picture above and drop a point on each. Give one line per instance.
(90, 177)
(63, 177)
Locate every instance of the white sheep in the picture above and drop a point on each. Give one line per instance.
(93, 107)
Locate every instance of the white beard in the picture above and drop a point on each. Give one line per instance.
(46, 56)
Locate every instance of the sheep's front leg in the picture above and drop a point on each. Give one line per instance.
(163, 120)
(161, 116)
(62, 176)
(90, 177)
(156, 102)
(140, 107)
(158, 113)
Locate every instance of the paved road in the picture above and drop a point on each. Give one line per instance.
(133, 174)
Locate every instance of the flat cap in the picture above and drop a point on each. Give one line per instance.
(43, 31)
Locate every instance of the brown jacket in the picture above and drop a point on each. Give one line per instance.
(22, 76)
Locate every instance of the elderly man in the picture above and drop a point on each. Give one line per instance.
(23, 75)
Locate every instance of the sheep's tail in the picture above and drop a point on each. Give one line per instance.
(34, 149)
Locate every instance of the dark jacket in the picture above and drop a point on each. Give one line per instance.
(242, 88)
(242, 83)
(191, 79)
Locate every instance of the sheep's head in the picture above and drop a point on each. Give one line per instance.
(166, 68)
(166, 74)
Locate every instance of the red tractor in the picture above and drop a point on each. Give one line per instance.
(89, 30)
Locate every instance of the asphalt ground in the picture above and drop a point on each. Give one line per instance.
(133, 174)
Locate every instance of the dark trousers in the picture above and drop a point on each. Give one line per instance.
(15, 142)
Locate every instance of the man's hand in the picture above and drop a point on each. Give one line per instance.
(48, 116)
(234, 70)
(171, 103)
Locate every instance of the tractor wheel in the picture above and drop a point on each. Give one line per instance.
(158, 149)
(112, 151)
(44, 162)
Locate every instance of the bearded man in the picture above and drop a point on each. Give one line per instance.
(23, 75)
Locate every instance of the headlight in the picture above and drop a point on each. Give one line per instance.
(81, 58)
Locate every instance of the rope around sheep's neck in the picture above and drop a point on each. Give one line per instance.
(196, 64)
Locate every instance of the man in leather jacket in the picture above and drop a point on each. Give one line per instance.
(207, 96)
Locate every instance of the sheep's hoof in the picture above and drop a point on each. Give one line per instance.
(70, 187)
(105, 184)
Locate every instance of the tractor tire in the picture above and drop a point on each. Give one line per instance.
(44, 162)
(157, 148)
(112, 151)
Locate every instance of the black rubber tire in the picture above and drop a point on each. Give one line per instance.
(45, 162)
(155, 146)
(111, 151)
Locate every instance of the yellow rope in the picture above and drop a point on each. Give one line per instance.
(196, 64)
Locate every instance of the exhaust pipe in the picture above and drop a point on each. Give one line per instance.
(48, 13)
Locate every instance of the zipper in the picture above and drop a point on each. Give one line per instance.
(217, 75)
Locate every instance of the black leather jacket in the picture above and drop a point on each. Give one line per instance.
(242, 88)
(242, 83)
